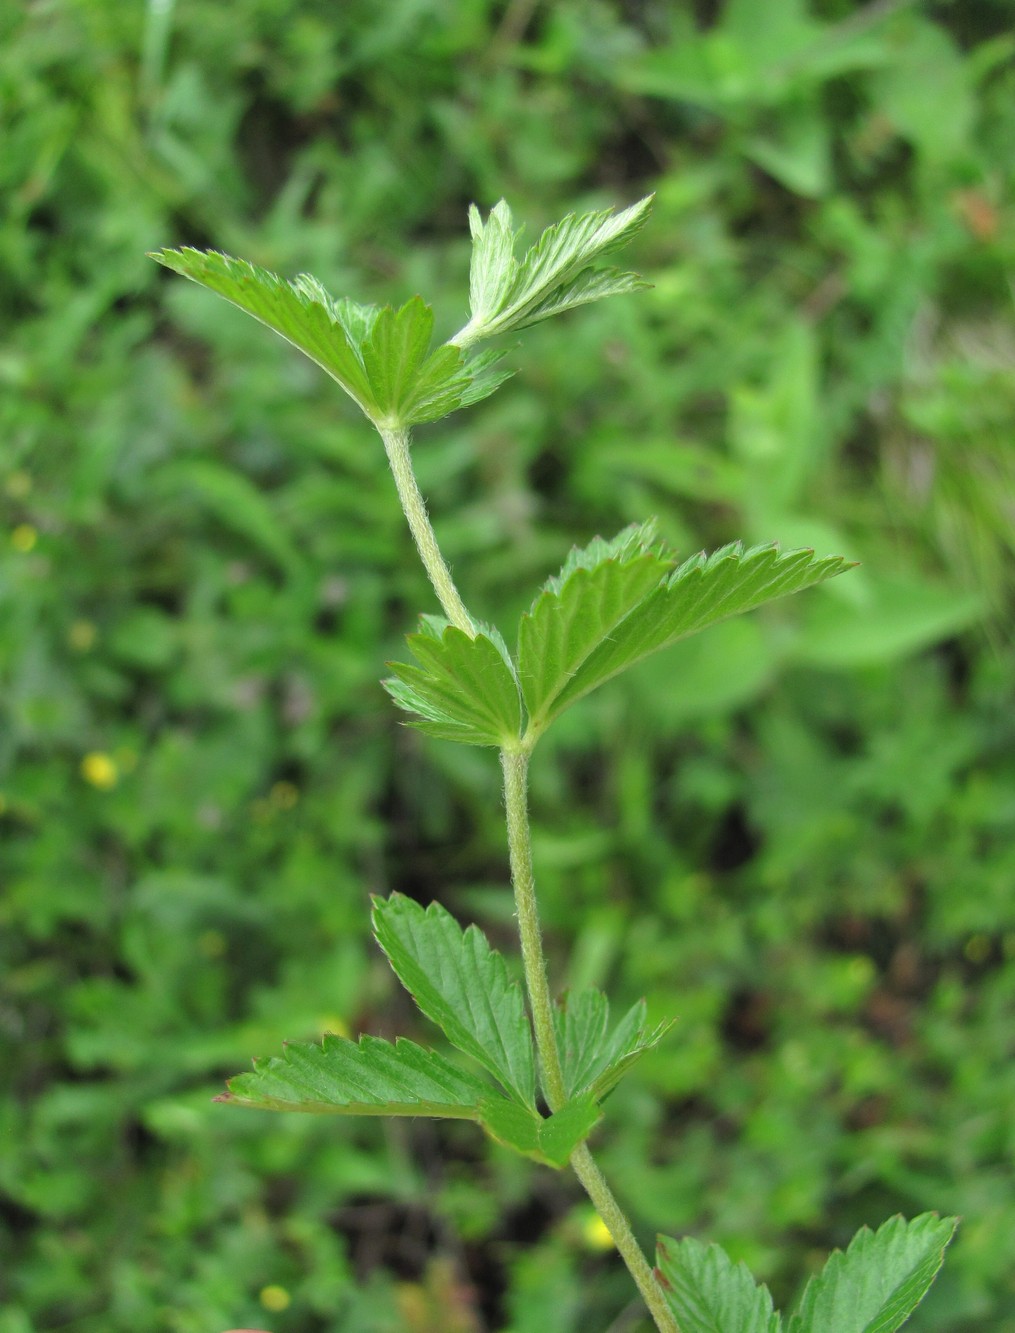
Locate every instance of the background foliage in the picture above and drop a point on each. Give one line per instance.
(795, 835)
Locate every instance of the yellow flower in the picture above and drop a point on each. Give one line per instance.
(100, 770)
(24, 537)
(595, 1233)
(82, 635)
(276, 1299)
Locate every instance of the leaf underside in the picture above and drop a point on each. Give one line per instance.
(463, 689)
(552, 276)
(463, 986)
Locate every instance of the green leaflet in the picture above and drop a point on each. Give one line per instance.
(551, 1141)
(376, 1077)
(368, 1077)
(554, 275)
(708, 1293)
(593, 1059)
(879, 1281)
(380, 357)
(464, 689)
(577, 610)
(703, 591)
(462, 985)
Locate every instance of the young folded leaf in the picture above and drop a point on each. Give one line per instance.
(462, 985)
(368, 1077)
(594, 1060)
(703, 591)
(380, 357)
(554, 275)
(880, 1280)
(708, 1293)
(464, 690)
(550, 1141)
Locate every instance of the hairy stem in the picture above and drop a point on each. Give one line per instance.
(396, 445)
(516, 772)
(515, 764)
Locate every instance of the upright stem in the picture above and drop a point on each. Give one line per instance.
(515, 764)
(396, 445)
(516, 769)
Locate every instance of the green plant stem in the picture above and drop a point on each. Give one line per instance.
(515, 764)
(396, 445)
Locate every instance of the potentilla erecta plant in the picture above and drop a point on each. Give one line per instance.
(540, 1068)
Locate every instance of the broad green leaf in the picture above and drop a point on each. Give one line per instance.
(554, 275)
(579, 609)
(327, 331)
(463, 986)
(368, 1077)
(593, 1059)
(704, 590)
(552, 1140)
(463, 690)
(708, 1293)
(880, 1280)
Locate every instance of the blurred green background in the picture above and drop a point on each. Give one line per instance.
(795, 834)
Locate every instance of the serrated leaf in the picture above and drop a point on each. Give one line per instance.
(555, 274)
(598, 587)
(463, 690)
(493, 269)
(462, 985)
(708, 1293)
(591, 285)
(380, 357)
(551, 1141)
(395, 350)
(879, 1281)
(703, 591)
(301, 311)
(593, 1059)
(368, 1077)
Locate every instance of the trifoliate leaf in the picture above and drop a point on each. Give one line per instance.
(554, 275)
(551, 1141)
(462, 985)
(880, 1280)
(380, 357)
(593, 1059)
(368, 1077)
(598, 587)
(703, 591)
(464, 689)
(708, 1293)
